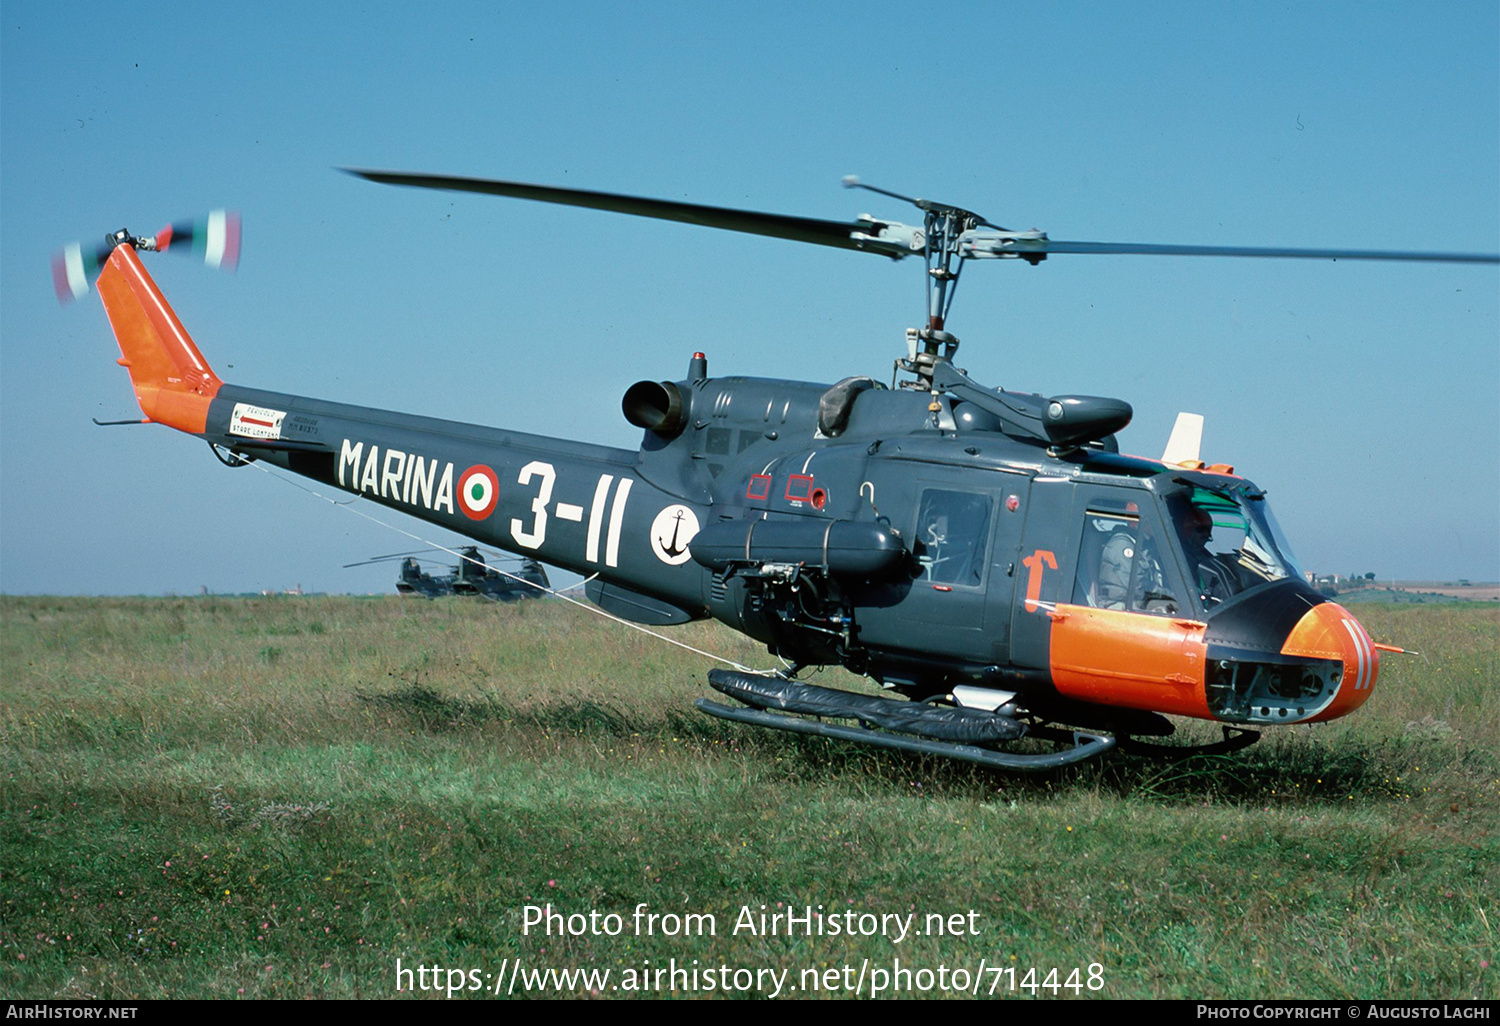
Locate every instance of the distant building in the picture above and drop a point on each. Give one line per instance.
(1326, 584)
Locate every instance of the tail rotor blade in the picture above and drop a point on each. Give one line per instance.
(74, 270)
(216, 238)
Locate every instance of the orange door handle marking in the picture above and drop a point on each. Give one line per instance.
(1034, 564)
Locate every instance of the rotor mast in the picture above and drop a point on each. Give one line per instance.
(943, 227)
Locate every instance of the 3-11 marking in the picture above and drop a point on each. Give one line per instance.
(535, 535)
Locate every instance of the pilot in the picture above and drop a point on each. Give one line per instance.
(1115, 561)
(1130, 573)
(1111, 589)
(1216, 580)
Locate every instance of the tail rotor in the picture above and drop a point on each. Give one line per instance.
(215, 239)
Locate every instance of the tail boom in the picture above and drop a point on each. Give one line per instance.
(587, 508)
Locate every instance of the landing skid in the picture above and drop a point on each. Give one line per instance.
(941, 731)
(1234, 740)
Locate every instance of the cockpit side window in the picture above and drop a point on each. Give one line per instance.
(1121, 563)
(1105, 560)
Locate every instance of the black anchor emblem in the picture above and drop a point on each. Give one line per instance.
(674, 550)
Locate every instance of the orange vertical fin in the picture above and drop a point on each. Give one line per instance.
(173, 383)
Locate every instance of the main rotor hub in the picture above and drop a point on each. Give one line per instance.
(925, 348)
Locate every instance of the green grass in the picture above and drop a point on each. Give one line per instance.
(281, 797)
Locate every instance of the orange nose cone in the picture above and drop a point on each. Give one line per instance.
(1328, 631)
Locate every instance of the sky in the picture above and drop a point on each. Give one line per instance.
(1364, 398)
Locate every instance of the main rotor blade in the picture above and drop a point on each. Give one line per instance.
(800, 229)
(1050, 246)
(393, 555)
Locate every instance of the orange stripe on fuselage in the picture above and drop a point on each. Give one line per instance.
(173, 383)
(1133, 660)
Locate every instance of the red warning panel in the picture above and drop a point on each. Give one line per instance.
(799, 487)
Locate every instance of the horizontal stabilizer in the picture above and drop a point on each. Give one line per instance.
(634, 606)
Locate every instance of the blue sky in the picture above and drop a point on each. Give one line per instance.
(1364, 398)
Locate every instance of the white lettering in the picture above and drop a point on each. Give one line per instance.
(534, 536)
(596, 517)
(390, 480)
(445, 489)
(349, 457)
(370, 482)
(397, 476)
(616, 522)
(422, 485)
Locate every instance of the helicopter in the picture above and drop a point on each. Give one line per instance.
(471, 576)
(1026, 596)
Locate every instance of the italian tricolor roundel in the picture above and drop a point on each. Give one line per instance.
(478, 490)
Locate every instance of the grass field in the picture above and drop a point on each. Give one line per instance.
(214, 798)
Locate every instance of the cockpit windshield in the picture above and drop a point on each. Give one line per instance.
(1230, 540)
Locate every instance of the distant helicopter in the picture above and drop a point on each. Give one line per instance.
(987, 556)
(471, 576)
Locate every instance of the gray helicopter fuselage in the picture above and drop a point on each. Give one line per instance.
(895, 546)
